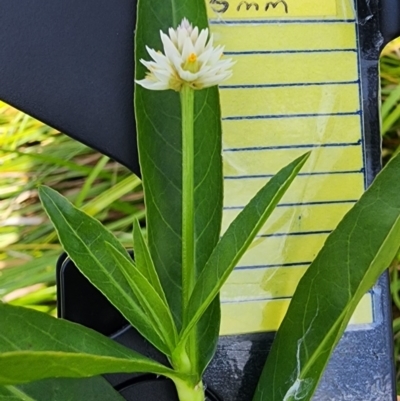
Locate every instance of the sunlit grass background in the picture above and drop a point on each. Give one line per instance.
(32, 154)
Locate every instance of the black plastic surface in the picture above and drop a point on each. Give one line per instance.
(69, 63)
(152, 388)
(80, 302)
(390, 19)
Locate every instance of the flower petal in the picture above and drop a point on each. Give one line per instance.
(173, 36)
(152, 85)
(169, 48)
(194, 35)
(200, 43)
(187, 50)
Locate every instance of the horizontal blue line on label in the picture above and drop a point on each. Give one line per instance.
(264, 117)
(295, 234)
(296, 264)
(295, 204)
(279, 21)
(240, 301)
(227, 301)
(300, 146)
(245, 177)
(286, 85)
(288, 51)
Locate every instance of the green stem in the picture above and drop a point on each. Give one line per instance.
(187, 102)
(188, 238)
(189, 392)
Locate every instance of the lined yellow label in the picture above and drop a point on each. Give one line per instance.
(258, 316)
(295, 88)
(277, 8)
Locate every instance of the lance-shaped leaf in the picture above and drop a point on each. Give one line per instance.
(158, 118)
(84, 238)
(90, 389)
(353, 257)
(207, 331)
(155, 307)
(35, 346)
(236, 240)
(144, 262)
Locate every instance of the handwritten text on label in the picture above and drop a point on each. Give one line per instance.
(232, 9)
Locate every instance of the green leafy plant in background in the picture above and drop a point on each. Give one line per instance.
(390, 112)
(170, 292)
(390, 84)
(32, 154)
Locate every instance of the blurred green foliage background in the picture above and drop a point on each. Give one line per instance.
(32, 154)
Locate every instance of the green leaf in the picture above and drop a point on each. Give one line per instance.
(207, 331)
(35, 346)
(353, 257)
(84, 238)
(391, 101)
(117, 191)
(144, 262)
(154, 307)
(90, 389)
(11, 393)
(158, 117)
(237, 239)
(90, 180)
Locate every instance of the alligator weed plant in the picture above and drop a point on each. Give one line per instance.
(169, 292)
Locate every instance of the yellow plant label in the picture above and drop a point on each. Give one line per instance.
(242, 9)
(295, 87)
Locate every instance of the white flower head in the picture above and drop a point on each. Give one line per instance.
(189, 59)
